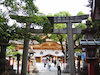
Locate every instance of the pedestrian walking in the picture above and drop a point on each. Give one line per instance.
(44, 62)
(47, 60)
(54, 63)
(49, 65)
(58, 67)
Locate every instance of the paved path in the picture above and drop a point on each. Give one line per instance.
(48, 73)
(45, 71)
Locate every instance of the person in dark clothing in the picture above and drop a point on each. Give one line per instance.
(54, 62)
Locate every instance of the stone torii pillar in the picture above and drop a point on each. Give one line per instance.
(71, 50)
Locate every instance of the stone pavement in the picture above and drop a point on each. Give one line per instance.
(48, 73)
(45, 71)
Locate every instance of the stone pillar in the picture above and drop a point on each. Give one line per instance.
(71, 50)
(65, 52)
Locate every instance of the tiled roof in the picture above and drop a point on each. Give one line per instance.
(49, 45)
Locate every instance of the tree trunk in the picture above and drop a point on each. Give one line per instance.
(3, 52)
(60, 40)
(25, 52)
(2, 58)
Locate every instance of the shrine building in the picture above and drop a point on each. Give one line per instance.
(48, 49)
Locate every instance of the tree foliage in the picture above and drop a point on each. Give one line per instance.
(38, 38)
(56, 37)
(49, 14)
(63, 14)
(80, 13)
(96, 27)
(80, 25)
(60, 37)
(11, 51)
(25, 6)
(6, 32)
(29, 13)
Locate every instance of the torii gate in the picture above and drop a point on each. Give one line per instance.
(69, 30)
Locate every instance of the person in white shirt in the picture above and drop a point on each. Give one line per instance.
(50, 65)
(59, 67)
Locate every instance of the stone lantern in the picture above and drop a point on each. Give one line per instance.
(91, 53)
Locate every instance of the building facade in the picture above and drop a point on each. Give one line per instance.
(47, 50)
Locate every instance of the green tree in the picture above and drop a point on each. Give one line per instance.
(38, 38)
(11, 50)
(76, 37)
(6, 33)
(63, 14)
(29, 13)
(96, 26)
(80, 25)
(26, 7)
(80, 13)
(50, 14)
(79, 36)
(29, 16)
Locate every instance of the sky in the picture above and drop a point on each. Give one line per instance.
(55, 6)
